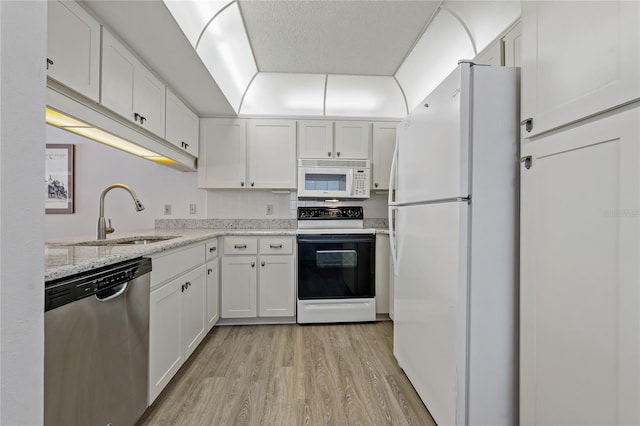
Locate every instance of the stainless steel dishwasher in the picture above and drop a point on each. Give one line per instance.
(97, 346)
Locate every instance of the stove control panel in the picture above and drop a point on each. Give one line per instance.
(328, 213)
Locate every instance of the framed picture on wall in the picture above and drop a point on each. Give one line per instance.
(59, 178)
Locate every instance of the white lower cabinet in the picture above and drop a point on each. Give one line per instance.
(183, 308)
(258, 277)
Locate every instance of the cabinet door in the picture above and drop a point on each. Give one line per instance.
(578, 59)
(382, 273)
(238, 292)
(165, 336)
(384, 143)
(352, 140)
(213, 293)
(148, 101)
(315, 139)
(222, 162)
(194, 308)
(181, 125)
(277, 286)
(511, 46)
(272, 154)
(118, 71)
(579, 296)
(73, 48)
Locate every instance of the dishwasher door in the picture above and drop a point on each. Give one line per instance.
(97, 350)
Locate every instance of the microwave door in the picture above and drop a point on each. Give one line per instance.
(349, 187)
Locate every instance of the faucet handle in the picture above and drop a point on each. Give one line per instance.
(109, 229)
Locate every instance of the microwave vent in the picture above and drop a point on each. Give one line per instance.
(363, 164)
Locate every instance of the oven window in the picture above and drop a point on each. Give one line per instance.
(334, 267)
(325, 182)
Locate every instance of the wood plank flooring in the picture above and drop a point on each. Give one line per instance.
(259, 375)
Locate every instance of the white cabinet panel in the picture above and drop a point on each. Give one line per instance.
(213, 292)
(238, 293)
(194, 309)
(277, 286)
(166, 353)
(129, 88)
(579, 59)
(315, 139)
(352, 139)
(272, 154)
(580, 300)
(73, 48)
(181, 125)
(222, 161)
(384, 142)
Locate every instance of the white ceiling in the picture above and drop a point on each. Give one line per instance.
(310, 38)
(334, 37)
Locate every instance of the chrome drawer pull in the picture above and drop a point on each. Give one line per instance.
(212, 249)
(275, 246)
(240, 246)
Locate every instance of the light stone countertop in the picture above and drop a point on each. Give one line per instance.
(62, 258)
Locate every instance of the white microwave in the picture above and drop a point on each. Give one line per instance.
(339, 179)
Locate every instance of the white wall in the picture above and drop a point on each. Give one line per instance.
(97, 166)
(252, 204)
(22, 137)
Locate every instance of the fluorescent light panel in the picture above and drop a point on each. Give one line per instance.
(63, 121)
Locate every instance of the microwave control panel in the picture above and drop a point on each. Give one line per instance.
(361, 182)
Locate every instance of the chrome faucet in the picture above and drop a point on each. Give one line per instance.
(103, 229)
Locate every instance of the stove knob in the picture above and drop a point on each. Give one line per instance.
(357, 213)
(350, 213)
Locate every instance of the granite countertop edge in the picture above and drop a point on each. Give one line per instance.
(63, 258)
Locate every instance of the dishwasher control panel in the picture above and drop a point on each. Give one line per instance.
(98, 281)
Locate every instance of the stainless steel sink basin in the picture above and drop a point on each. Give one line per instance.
(139, 240)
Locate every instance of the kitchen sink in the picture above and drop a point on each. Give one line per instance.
(139, 240)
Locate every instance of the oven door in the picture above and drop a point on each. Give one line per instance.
(336, 266)
(325, 182)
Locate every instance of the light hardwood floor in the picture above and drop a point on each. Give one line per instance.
(337, 374)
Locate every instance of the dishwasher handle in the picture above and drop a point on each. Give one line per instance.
(119, 292)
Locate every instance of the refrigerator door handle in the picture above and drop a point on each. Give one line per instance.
(393, 175)
(393, 226)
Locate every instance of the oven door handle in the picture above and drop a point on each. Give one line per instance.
(320, 240)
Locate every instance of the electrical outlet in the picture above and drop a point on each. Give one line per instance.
(192, 209)
(167, 209)
(269, 209)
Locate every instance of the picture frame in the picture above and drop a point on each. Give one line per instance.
(59, 179)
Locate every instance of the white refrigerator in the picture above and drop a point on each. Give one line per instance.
(453, 218)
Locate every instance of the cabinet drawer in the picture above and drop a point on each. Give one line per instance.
(211, 249)
(166, 266)
(240, 245)
(276, 245)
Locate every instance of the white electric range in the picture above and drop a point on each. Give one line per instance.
(336, 266)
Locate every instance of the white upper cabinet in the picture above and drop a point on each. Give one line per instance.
(272, 154)
(238, 153)
(129, 88)
(505, 50)
(578, 59)
(384, 142)
(73, 48)
(352, 139)
(222, 162)
(181, 125)
(315, 139)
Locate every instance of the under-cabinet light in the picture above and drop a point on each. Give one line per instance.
(63, 121)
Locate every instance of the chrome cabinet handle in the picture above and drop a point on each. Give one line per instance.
(49, 62)
(242, 184)
(262, 263)
(329, 154)
(209, 271)
(253, 264)
(252, 183)
(240, 246)
(528, 124)
(275, 246)
(338, 154)
(375, 184)
(212, 249)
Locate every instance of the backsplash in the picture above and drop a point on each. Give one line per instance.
(226, 224)
(253, 204)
